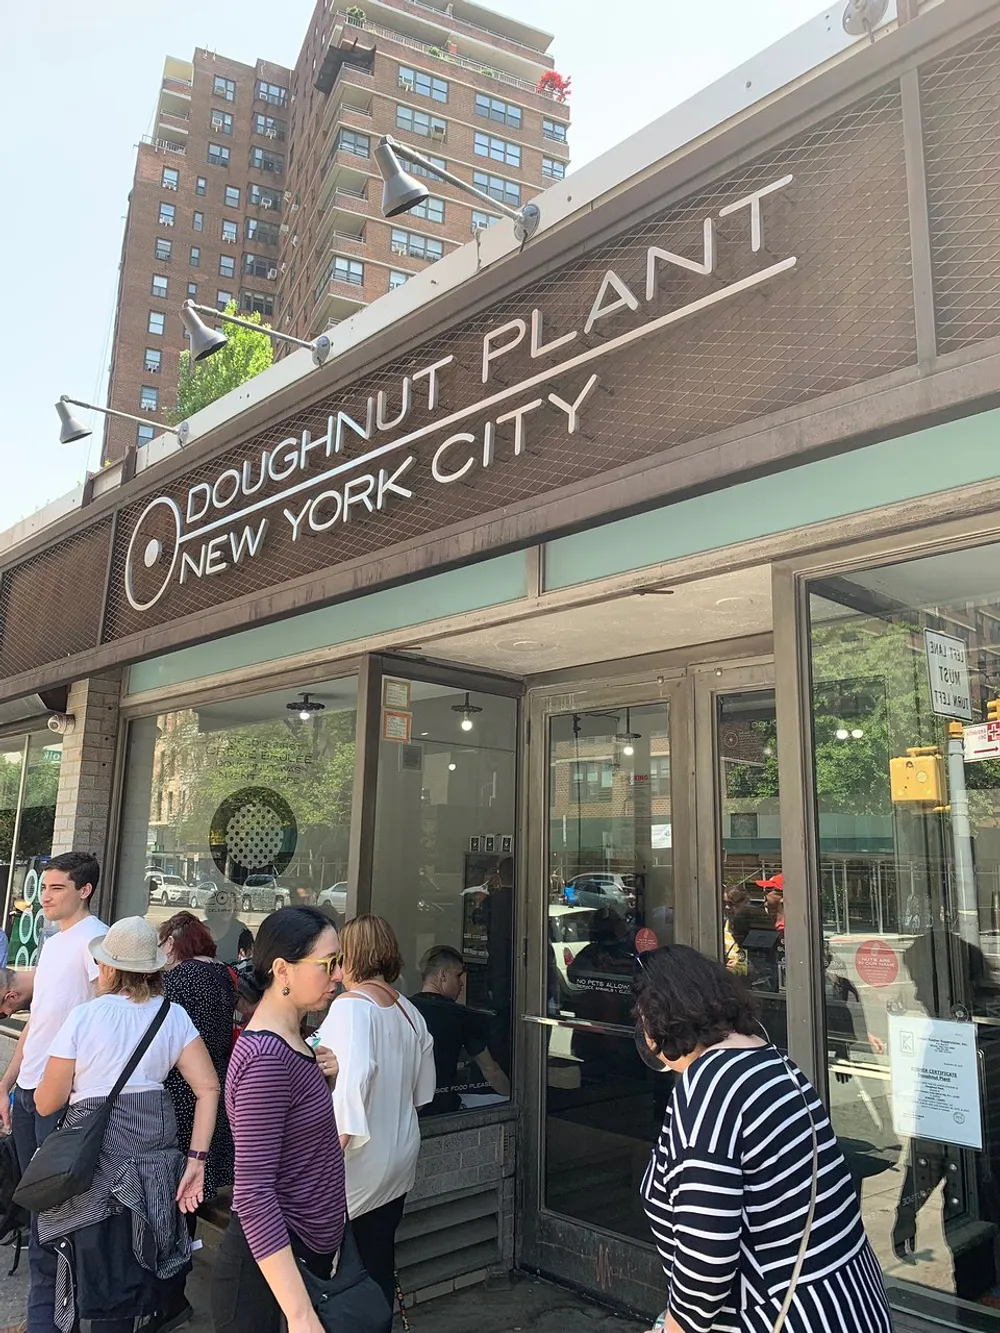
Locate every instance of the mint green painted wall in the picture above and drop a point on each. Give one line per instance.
(489, 583)
(937, 459)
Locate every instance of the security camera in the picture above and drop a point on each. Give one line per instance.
(61, 723)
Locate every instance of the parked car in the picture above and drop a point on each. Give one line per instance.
(599, 889)
(168, 890)
(263, 893)
(569, 933)
(336, 897)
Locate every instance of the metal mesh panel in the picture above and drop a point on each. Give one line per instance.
(51, 603)
(842, 315)
(960, 99)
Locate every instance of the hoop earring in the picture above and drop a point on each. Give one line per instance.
(286, 990)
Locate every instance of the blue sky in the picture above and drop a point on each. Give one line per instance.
(85, 79)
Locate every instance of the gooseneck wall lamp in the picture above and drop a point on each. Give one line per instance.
(72, 429)
(401, 191)
(205, 342)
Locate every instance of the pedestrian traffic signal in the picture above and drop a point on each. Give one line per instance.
(993, 710)
(917, 779)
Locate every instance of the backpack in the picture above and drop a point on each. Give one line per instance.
(13, 1218)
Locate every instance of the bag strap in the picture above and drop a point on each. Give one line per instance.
(140, 1051)
(810, 1215)
(395, 1004)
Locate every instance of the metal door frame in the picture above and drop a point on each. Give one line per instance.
(613, 1267)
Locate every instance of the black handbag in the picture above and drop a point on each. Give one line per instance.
(350, 1301)
(64, 1164)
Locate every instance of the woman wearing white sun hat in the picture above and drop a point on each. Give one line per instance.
(122, 1236)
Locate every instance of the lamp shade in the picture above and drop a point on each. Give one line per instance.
(204, 341)
(70, 429)
(400, 190)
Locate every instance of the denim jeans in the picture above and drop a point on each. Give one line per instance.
(29, 1130)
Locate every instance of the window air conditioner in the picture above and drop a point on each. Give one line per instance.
(294, 208)
(169, 185)
(288, 196)
(406, 83)
(272, 273)
(230, 240)
(437, 131)
(284, 229)
(266, 203)
(284, 268)
(152, 369)
(148, 407)
(397, 248)
(166, 222)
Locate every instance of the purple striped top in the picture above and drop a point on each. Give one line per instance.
(289, 1163)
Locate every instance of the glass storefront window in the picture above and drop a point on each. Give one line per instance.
(29, 786)
(443, 874)
(236, 807)
(905, 661)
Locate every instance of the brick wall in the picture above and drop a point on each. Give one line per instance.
(86, 774)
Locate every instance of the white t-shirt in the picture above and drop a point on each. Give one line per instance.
(386, 1072)
(64, 978)
(101, 1036)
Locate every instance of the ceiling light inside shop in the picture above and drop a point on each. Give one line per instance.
(452, 767)
(306, 707)
(842, 733)
(468, 711)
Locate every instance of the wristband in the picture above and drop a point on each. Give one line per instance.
(197, 1156)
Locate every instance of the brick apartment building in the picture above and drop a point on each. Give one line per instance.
(259, 183)
(202, 223)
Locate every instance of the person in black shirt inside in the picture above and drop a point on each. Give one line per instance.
(454, 1028)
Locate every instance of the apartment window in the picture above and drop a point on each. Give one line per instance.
(419, 122)
(263, 197)
(170, 179)
(259, 266)
(232, 196)
(269, 126)
(553, 169)
(432, 209)
(230, 232)
(502, 112)
(257, 303)
(149, 399)
(262, 160)
(152, 360)
(263, 233)
(164, 249)
(221, 121)
(195, 258)
(397, 278)
(499, 150)
(591, 781)
(343, 269)
(224, 88)
(201, 185)
(416, 246)
(415, 169)
(505, 192)
(272, 93)
(481, 220)
(416, 81)
(168, 213)
(227, 266)
(222, 299)
(217, 155)
(198, 221)
(192, 291)
(155, 323)
(554, 129)
(159, 286)
(353, 141)
(144, 434)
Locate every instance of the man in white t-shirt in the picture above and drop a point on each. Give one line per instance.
(64, 978)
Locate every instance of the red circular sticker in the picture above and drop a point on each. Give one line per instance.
(645, 940)
(877, 963)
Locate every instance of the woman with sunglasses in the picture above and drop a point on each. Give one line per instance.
(289, 1197)
(729, 1190)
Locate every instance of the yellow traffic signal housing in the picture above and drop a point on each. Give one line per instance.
(917, 778)
(993, 710)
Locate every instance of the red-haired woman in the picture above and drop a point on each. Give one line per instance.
(197, 981)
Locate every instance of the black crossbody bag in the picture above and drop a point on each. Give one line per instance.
(64, 1165)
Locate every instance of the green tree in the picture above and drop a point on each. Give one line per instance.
(245, 355)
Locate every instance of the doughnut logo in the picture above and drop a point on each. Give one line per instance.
(253, 832)
(153, 551)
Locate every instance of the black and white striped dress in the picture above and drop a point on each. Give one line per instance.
(727, 1196)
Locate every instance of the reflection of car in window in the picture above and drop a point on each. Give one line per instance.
(168, 889)
(335, 896)
(569, 933)
(263, 893)
(599, 890)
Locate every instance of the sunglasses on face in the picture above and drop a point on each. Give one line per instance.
(330, 963)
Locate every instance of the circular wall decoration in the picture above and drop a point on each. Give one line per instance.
(31, 886)
(253, 832)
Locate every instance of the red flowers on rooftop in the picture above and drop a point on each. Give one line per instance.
(556, 84)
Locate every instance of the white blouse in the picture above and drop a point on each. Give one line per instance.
(386, 1072)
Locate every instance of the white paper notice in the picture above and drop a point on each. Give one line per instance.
(935, 1080)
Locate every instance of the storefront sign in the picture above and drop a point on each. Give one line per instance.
(935, 1080)
(876, 963)
(981, 742)
(311, 485)
(948, 673)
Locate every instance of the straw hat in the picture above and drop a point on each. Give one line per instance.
(130, 946)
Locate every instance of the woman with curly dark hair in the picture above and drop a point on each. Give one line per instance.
(747, 1193)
